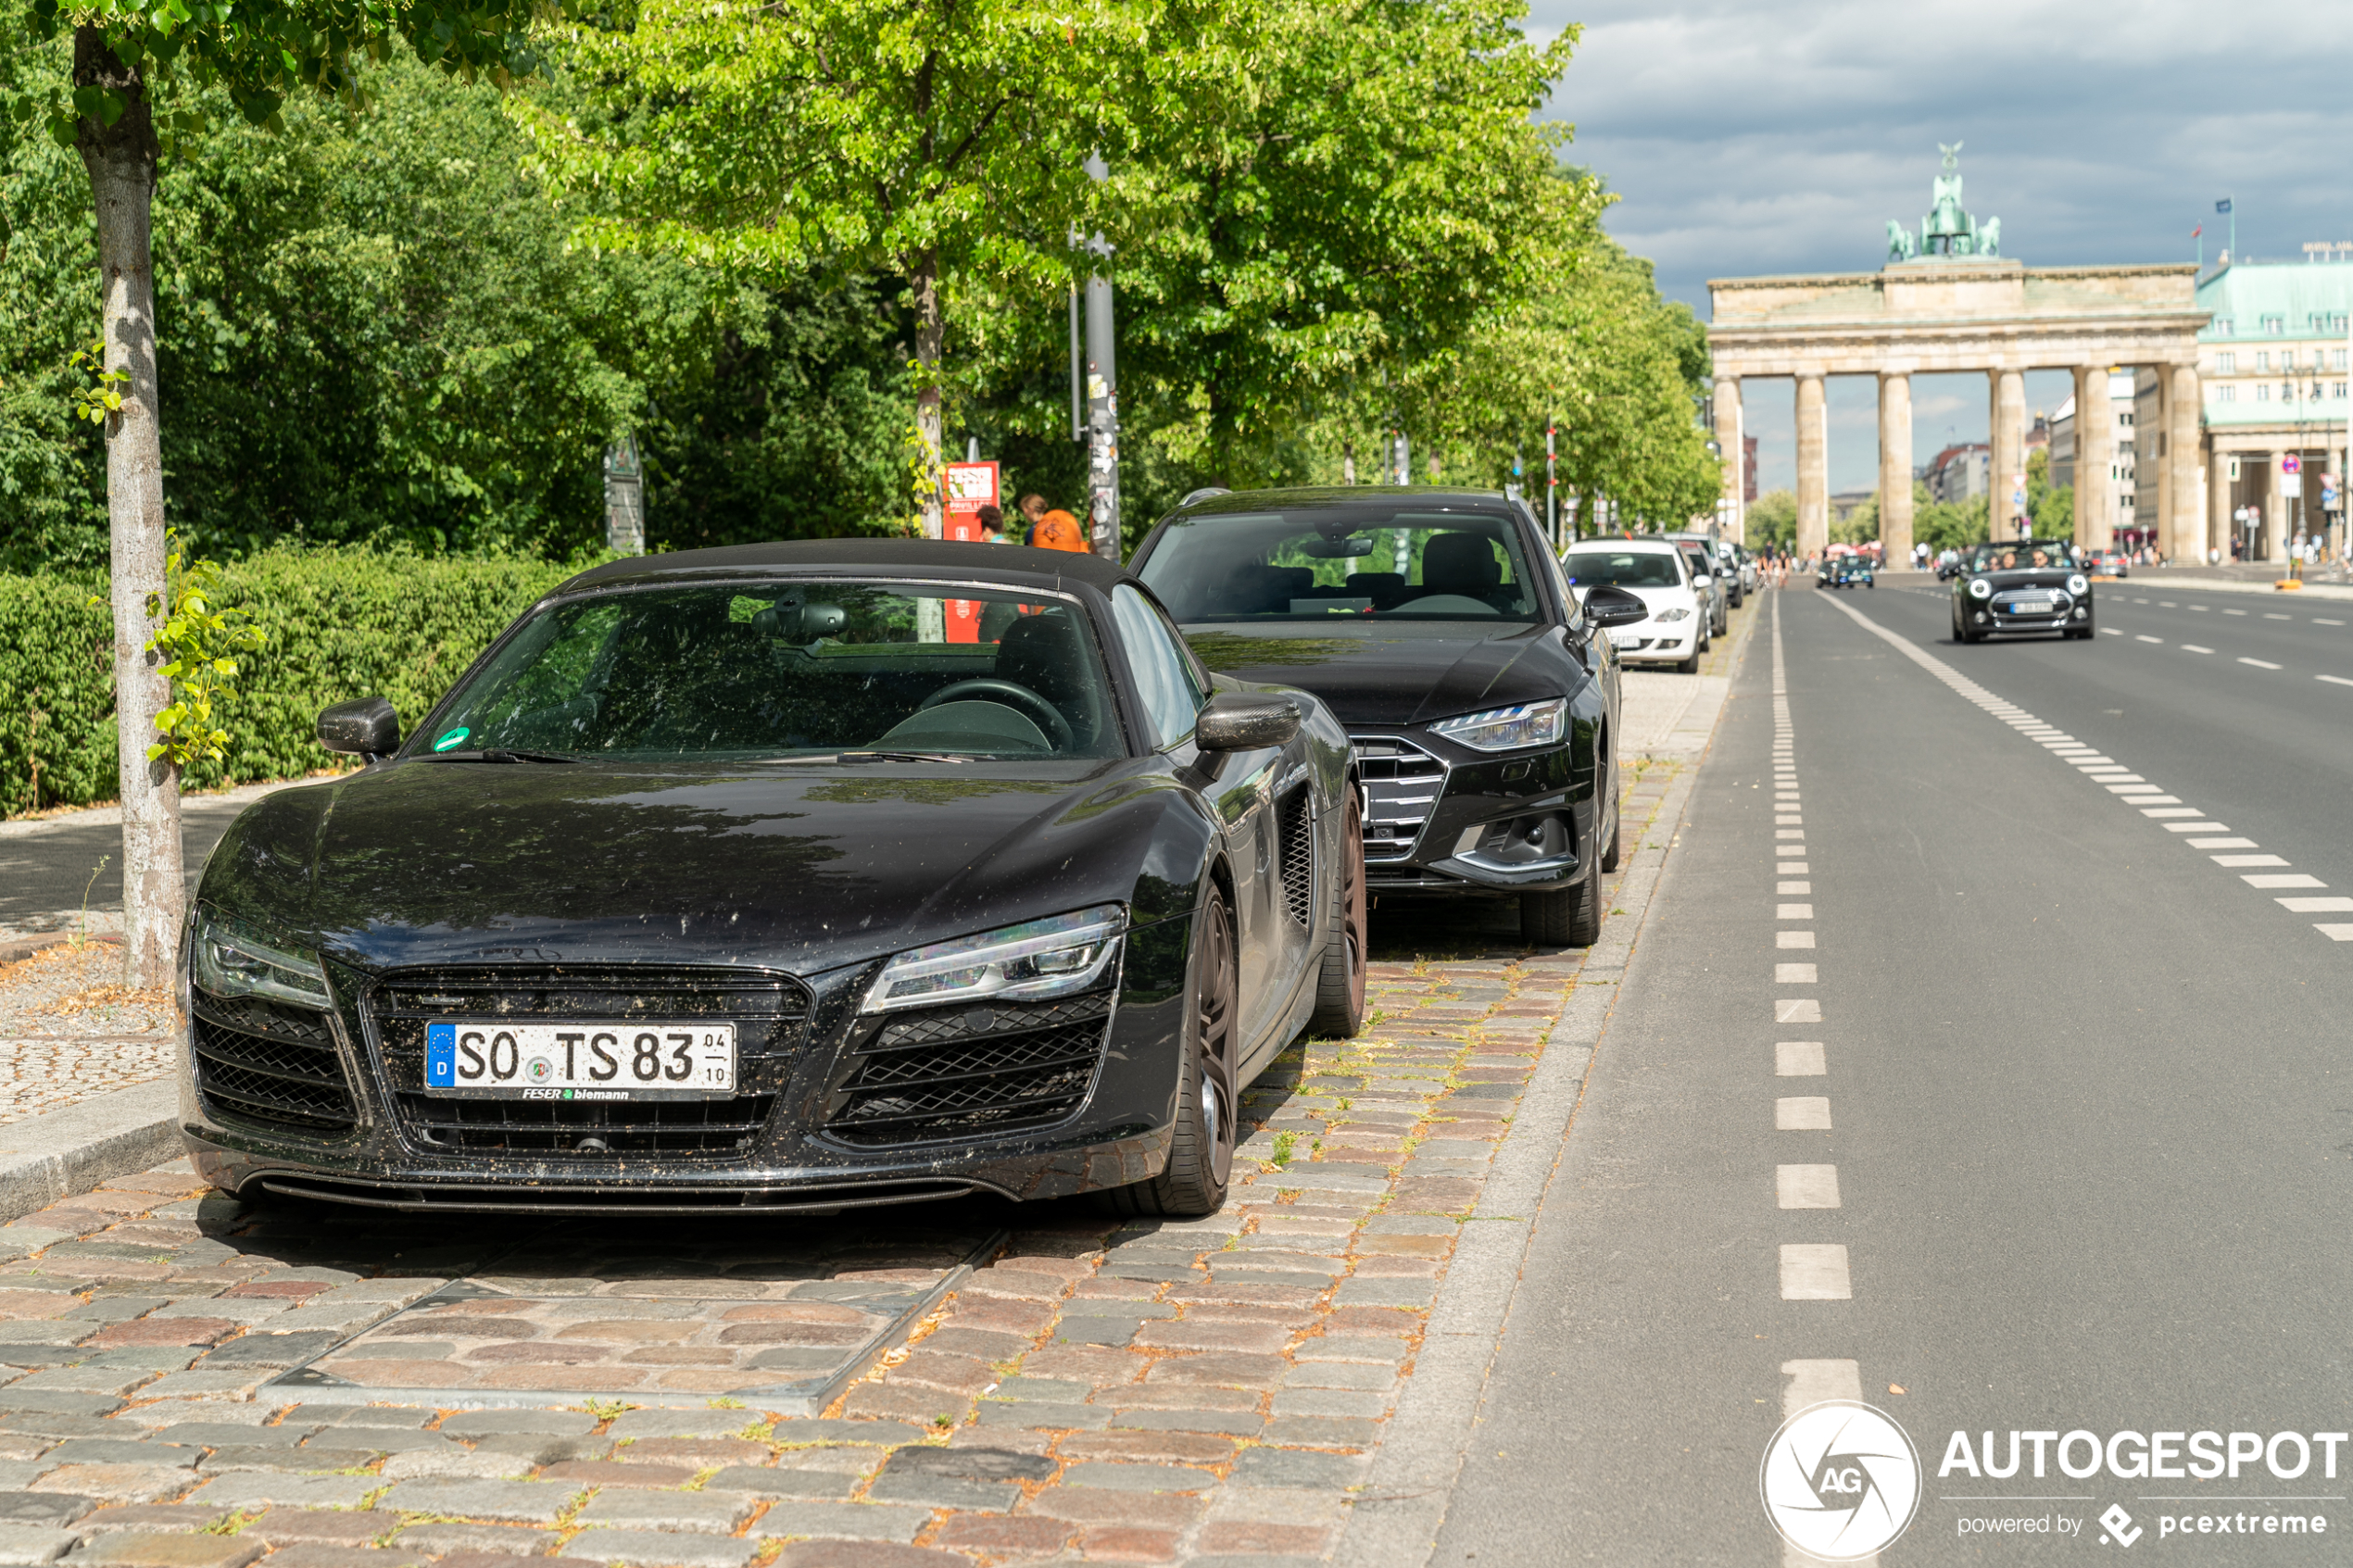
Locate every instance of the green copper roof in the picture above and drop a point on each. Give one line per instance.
(2306, 300)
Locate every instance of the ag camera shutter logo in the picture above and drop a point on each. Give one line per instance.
(1840, 1480)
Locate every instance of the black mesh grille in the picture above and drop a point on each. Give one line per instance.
(770, 1012)
(291, 1078)
(1294, 826)
(970, 1071)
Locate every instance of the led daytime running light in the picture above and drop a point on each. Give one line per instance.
(1041, 958)
(229, 962)
(1507, 729)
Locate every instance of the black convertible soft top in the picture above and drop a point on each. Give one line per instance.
(1009, 563)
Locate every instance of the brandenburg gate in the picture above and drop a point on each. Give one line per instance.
(1949, 301)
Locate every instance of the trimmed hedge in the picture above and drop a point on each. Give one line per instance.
(342, 623)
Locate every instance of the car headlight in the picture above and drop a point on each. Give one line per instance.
(229, 959)
(1979, 589)
(1507, 729)
(2077, 583)
(1038, 958)
(1672, 615)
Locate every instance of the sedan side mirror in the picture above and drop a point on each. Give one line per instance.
(366, 726)
(1245, 722)
(1605, 606)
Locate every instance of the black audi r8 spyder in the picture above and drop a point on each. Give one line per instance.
(1483, 698)
(2017, 587)
(783, 877)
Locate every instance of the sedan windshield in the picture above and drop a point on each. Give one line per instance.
(1444, 566)
(2020, 556)
(780, 670)
(1620, 568)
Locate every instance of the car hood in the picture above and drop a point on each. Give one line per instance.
(1397, 671)
(2029, 577)
(799, 868)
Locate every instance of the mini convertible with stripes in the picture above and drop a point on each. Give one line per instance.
(783, 877)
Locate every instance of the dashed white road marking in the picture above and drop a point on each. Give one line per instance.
(2269, 615)
(2193, 648)
(2174, 812)
(1806, 1186)
(2192, 827)
(2259, 663)
(2334, 680)
(2110, 632)
(1792, 887)
(1805, 1059)
(2168, 604)
(2144, 637)
(2201, 608)
(2234, 612)
(1808, 1010)
(1802, 974)
(2335, 933)
(1801, 1113)
(1792, 911)
(2224, 844)
(2318, 906)
(2319, 621)
(1813, 1271)
(1789, 833)
(1786, 939)
(1810, 1383)
(2251, 861)
(2276, 879)
(1792, 867)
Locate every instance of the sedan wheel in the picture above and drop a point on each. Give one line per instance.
(1339, 983)
(1200, 1153)
(1571, 918)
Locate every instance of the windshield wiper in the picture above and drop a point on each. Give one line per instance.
(502, 753)
(835, 756)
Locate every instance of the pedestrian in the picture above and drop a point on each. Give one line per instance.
(1057, 530)
(992, 524)
(1031, 507)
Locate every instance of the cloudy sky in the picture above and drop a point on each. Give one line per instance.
(1780, 136)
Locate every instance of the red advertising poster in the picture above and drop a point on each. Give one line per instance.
(967, 488)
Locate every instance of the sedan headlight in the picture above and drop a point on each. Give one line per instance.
(1507, 729)
(1672, 615)
(1979, 589)
(2077, 583)
(231, 960)
(1040, 958)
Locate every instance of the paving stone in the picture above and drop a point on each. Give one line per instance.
(1050, 1389)
(983, 1344)
(225, 1434)
(559, 1423)
(1189, 1334)
(540, 1447)
(117, 1483)
(866, 1554)
(846, 1521)
(932, 1491)
(23, 1545)
(653, 1548)
(753, 1482)
(1105, 1505)
(137, 1550)
(1097, 1330)
(684, 1423)
(504, 1540)
(258, 1488)
(1155, 1448)
(274, 1351)
(504, 1502)
(633, 1509)
(1000, 1538)
(284, 1526)
(1357, 1348)
(1228, 1370)
(970, 1462)
(1339, 1375)
(41, 1510)
(1323, 1432)
(237, 1383)
(890, 1433)
(1296, 1468)
(1047, 1417)
(331, 1554)
(1385, 1293)
(1331, 1402)
(455, 1459)
(1138, 1477)
(1232, 1424)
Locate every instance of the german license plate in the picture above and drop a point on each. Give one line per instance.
(1623, 639)
(589, 1059)
(2030, 607)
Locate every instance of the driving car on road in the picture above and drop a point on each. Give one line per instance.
(783, 877)
(2018, 587)
(1852, 569)
(2109, 563)
(1482, 698)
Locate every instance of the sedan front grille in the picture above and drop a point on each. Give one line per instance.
(258, 1061)
(770, 1012)
(969, 1071)
(1403, 785)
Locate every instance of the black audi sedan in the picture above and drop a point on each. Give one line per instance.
(2019, 587)
(783, 877)
(1483, 699)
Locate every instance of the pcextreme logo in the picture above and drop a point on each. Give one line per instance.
(1839, 1481)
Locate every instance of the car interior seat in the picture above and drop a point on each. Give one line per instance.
(1047, 653)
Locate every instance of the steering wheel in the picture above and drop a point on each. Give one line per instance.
(1049, 717)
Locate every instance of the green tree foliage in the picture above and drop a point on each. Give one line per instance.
(1948, 526)
(1772, 519)
(1859, 526)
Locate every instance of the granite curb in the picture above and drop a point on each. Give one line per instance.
(60, 1153)
(1395, 1518)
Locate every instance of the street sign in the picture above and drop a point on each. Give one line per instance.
(968, 487)
(2292, 484)
(2291, 464)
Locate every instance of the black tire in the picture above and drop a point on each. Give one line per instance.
(1571, 918)
(1200, 1152)
(1613, 851)
(1689, 666)
(1340, 982)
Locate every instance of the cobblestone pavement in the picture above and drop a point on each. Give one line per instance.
(69, 1030)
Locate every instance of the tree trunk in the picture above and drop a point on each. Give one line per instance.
(930, 331)
(121, 161)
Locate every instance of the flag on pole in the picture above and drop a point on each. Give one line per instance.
(2223, 206)
(2197, 231)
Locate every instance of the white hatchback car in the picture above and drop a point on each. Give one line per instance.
(1655, 571)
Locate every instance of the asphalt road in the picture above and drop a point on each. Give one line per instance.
(2085, 1129)
(47, 867)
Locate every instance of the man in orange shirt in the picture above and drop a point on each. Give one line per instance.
(1058, 531)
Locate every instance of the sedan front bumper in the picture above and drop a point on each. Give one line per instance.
(1440, 817)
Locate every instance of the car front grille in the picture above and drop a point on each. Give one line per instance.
(770, 1012)
(258, 1061)
(965, 1072)
(1403, 785)
(1295, 836)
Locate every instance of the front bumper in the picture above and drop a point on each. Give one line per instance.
(811, 1128)
(1440, 817)
(1994, 619)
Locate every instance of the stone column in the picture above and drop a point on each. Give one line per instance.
(1813, 467)
(1734, 453)
(2095, 451)
(1895, 467)
(2218, 500)
(2009, 452)
(2274, 508)
(2180, 532)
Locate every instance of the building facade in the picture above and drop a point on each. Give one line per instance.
(2124, 418)
(2273, 357)
(1958, 473)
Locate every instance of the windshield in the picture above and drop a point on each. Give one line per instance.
(1620, 568)
(1432, 566)
(784, 670)
(2017, 554)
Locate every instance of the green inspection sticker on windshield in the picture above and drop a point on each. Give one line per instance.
(455, 738)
